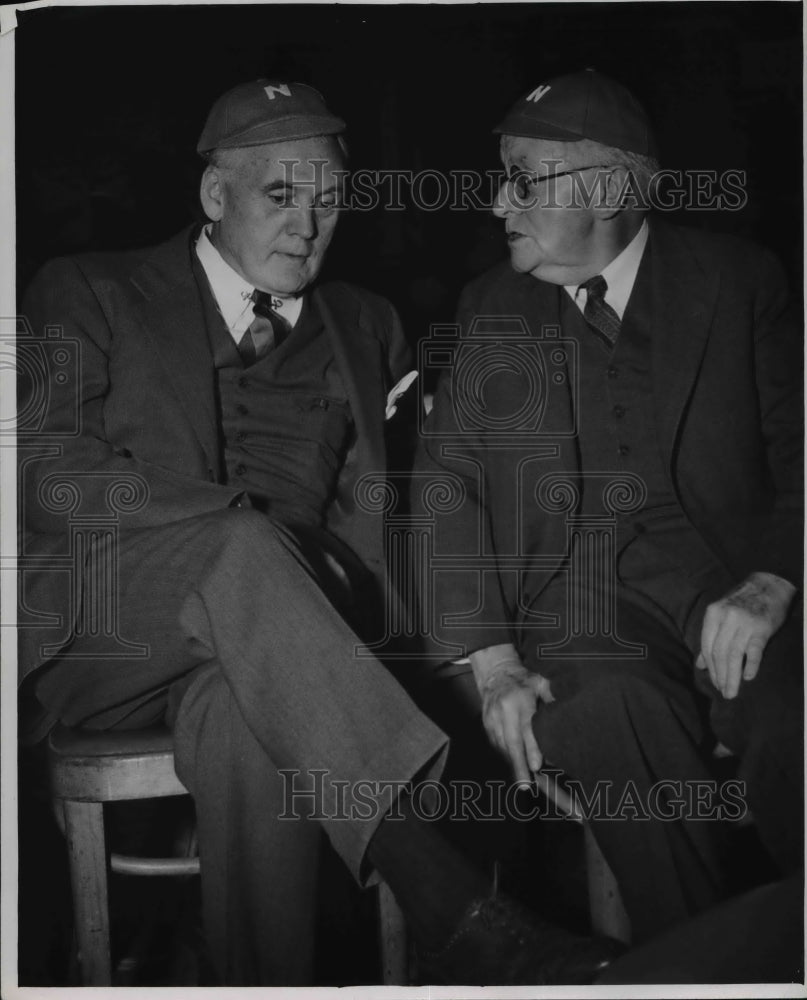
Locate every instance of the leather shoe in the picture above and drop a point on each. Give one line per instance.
(499, 943)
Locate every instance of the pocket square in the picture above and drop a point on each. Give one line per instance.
(397, 391)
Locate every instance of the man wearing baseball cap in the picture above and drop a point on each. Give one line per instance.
(650, 514)
(233, 408)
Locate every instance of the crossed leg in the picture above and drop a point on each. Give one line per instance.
(260, 671)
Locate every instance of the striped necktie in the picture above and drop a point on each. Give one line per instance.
(598, 314)
(266, 331)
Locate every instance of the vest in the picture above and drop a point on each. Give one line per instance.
(662, 562)
(285, 422)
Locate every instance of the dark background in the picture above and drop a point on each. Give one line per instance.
(110, 102)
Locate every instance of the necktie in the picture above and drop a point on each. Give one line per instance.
(265, 332)
(598, 314)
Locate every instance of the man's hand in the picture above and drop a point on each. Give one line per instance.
(736, 630)
(510, 695)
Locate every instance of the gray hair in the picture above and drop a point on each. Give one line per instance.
(639, 167)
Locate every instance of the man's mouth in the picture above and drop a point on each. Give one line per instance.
(295, 256)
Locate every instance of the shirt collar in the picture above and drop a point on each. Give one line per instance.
(620, 275)
(232, 293)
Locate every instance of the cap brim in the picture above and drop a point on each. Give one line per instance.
(532, 129)
(285, 130)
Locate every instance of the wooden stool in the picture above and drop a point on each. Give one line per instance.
(88, 769)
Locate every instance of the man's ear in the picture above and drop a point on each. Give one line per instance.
(615, 187)
(211, 193)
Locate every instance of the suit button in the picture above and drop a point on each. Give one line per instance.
(240, 408)
(241, 436)
(243, 382)
(240, 469)
(613, 372)
(623, 450)
(618, 411)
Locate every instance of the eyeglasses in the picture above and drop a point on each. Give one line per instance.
(524, 182)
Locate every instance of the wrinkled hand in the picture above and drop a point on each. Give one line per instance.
(736, 630)
(510, 695)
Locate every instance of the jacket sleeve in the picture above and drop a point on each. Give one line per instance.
(778, 346)
(65, 378)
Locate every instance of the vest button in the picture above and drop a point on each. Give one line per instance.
(618, 411)
(240, 408)
(243, 382)
(623, 450)
(241, 436)
(240, 469)
(613, 372)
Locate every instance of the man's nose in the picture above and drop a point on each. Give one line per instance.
(503, 204)
(304, 222)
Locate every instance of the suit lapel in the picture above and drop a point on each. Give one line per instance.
(563, 406)
(357, 355)
(542, 305)
(680, 301)
(172, 316)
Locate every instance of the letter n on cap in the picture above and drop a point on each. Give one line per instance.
(282, 88)
(538, 93)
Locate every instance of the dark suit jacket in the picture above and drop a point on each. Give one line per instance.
(139, 376)
(727, 385)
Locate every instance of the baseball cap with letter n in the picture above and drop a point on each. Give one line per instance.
(584, 105)
(262, 111)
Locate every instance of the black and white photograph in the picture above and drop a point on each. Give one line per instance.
(402, 472)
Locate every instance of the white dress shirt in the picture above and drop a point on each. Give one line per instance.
(234, 295)
(620, 275)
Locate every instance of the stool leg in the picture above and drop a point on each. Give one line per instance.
(392, 939)
(608, 914)
(84, 828)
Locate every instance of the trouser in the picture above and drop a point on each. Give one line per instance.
(254, 668)
(632, 732)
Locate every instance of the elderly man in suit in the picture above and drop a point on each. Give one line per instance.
(225, 410)
(622, 416)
